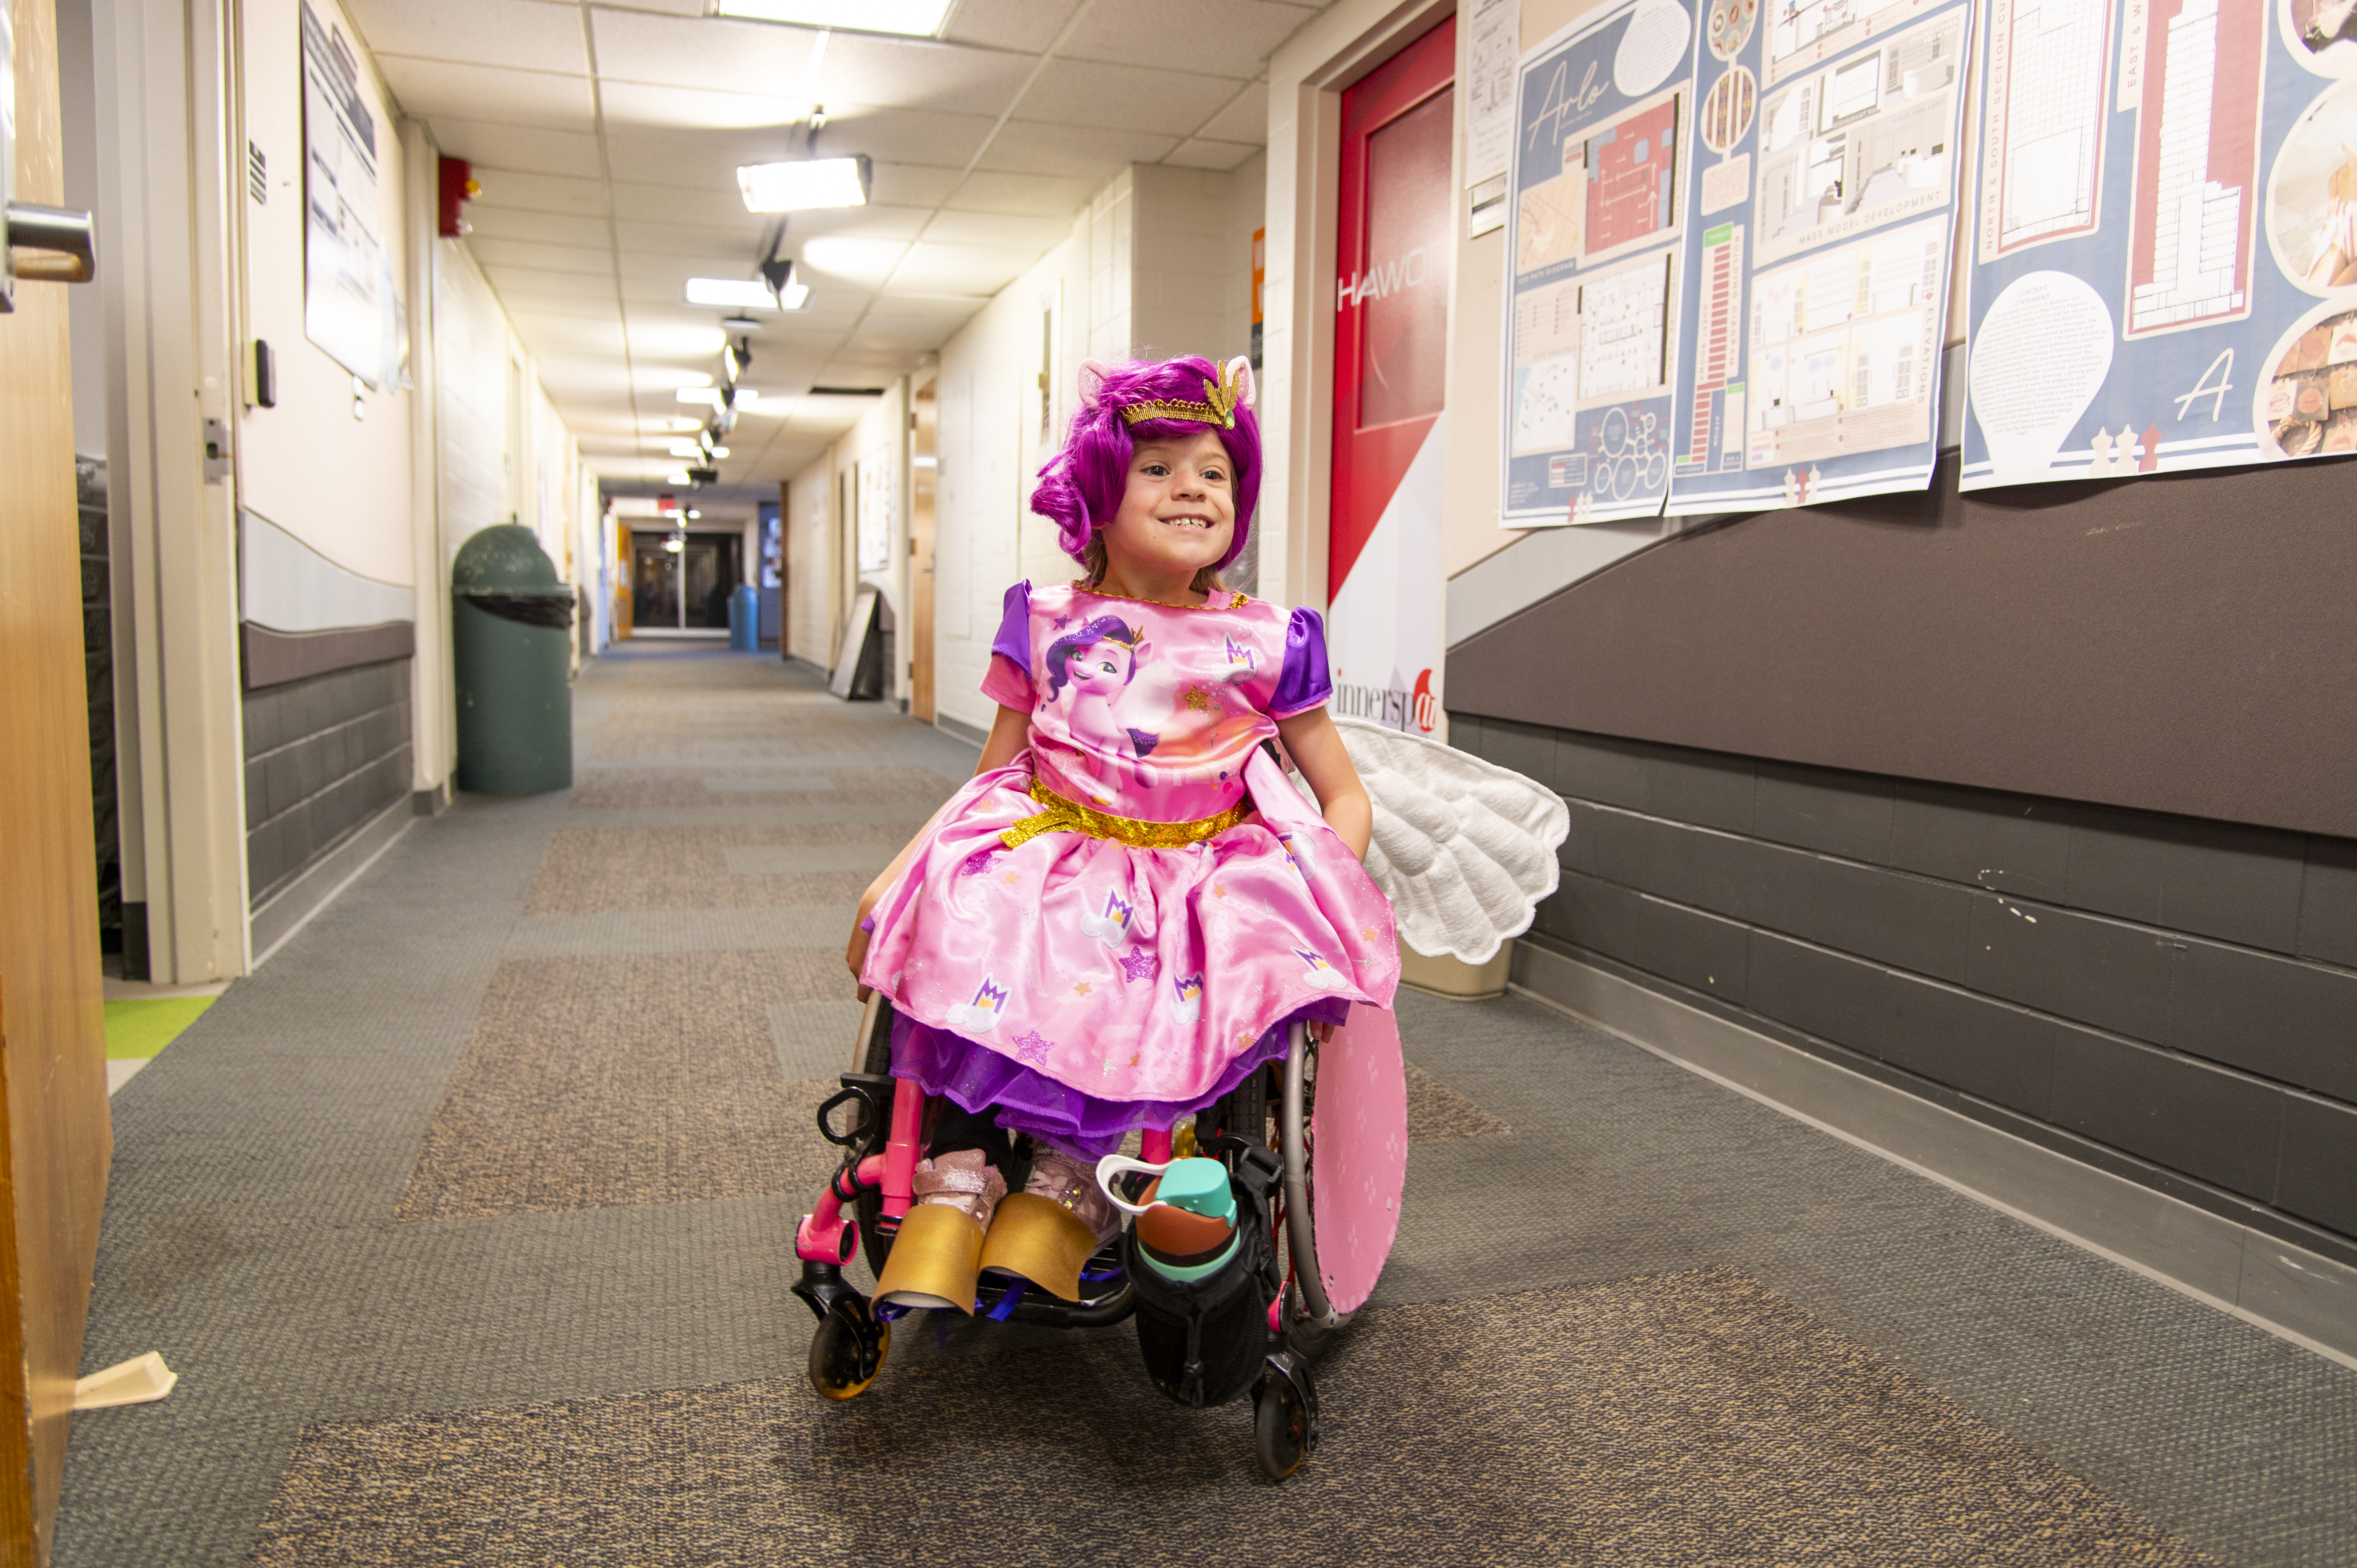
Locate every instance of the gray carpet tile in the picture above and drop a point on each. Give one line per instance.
(251, 1235)
(621, 789)
(812, 1039)
(599, 870)
(1683, 1419)
(1436, 1111)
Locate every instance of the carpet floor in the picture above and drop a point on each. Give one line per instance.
(468, 1222)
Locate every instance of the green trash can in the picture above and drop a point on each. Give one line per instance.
(511, 623)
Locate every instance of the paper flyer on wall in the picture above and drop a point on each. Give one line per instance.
(2164, 250)
(1820, 216)
(347, 285)
(1593, 265)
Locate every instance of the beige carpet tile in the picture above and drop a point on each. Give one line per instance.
(625, 1081)
(1692, 1418)
(1436, 1111)
(596, 870)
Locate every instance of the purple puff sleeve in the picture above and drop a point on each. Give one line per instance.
(1303, 683)
(1009, 684)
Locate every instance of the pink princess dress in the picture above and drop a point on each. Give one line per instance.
(1113, 930)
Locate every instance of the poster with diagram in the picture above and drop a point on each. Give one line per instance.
(1597, 209)
(348, 297)
(2164, 246)
(1820, 217)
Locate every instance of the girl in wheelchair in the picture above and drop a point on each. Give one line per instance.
(1115, 924)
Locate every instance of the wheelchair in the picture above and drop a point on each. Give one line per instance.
(1315, 1152)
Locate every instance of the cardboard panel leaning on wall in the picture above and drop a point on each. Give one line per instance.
(340, 484)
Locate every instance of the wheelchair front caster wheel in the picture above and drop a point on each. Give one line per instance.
(1280, 1429)
(848, 1349)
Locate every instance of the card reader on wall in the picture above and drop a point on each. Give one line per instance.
(266, 376)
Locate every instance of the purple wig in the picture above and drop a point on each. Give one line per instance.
(1082, 487)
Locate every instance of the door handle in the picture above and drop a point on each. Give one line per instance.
(70, 239)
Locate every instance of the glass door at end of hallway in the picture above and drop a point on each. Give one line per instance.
(680, 583)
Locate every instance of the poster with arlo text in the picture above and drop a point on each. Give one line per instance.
(1594, 264)
(1820, 218)
(2164, 240)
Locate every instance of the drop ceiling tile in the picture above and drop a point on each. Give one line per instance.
(838, 260)
(1209, 155)
(1094, 156)
(961, 268)
(697, 51)
(510, 189)
(1041, 196)
(874, 221)
(916, 73)
(523, 288)
(657, 335)
(741, 243)
(525, 33)
(1245, 119)
(713, 208)
(695, 108)
(581, 334)
(903, 136)
(1036, 234)
(524, 150)
(1028, 25)
(1123, 97)
(493, 252)
(429, 88)
(912, 185)
(487, 220)
(1219, 37)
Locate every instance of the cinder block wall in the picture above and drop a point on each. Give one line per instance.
(2170, 998)
(324, 757)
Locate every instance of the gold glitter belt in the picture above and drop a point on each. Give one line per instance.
(1071, 817)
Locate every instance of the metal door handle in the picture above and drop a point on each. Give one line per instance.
(69, 238)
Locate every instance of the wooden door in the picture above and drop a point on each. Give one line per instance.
(923, 466)
(52, 1022)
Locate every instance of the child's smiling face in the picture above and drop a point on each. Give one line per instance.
(1179, 512)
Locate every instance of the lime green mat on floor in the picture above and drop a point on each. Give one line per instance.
(136, 1029)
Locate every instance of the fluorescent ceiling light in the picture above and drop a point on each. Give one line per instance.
(912, 18)
(718, 453)
(686, 449)
(708, 396)
(795, 297)
(678, 478)
(748, 395)
(807, 183)
(736, 294)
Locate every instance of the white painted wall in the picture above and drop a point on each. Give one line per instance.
(338, 483)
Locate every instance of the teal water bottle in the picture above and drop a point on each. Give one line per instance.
(1189, 1229)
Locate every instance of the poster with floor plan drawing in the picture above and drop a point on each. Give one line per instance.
(2164, 255)
(1597, 211)
(1822, 207)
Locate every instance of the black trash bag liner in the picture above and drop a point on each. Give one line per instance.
(1204, 1341)
(531, 609)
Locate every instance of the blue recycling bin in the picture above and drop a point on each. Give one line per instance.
(745, 619)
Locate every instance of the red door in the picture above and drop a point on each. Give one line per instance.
(1395, 237)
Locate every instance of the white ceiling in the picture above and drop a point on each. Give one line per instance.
(607, 138)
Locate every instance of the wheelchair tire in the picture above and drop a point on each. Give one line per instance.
(836, 1356)
(1280, 1429)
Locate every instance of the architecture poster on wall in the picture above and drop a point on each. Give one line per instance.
(874, 502)
(1596, 212)
(348, 302)
(2164, 245)
(1819, 220)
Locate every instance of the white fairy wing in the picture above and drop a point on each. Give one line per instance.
(1463, 848)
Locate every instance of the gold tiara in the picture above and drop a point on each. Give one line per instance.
(1218, 406)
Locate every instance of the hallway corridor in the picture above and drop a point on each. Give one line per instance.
(468, 1222)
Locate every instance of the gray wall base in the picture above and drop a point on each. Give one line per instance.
(430, 802)
(308, 894)
(962, 730)
(2298, 1295)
